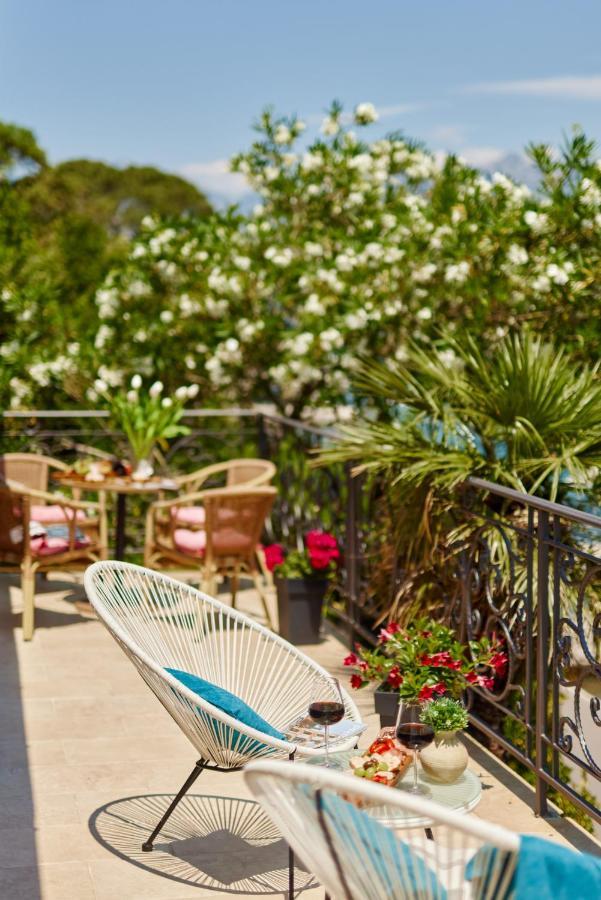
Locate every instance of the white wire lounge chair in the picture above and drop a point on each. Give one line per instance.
(160, 622)
(356, 857)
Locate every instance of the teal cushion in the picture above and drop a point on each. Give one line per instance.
(226, 701)
(401, 872)
(545, 871)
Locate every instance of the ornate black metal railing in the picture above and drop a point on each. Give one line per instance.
(530, 573)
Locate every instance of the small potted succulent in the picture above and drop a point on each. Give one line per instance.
(446, 758)
(147, 418)
(424, 661)
(301, 581)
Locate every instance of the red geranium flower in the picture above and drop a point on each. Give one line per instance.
(498, 662)
(356, 681)
(427, 692)
(388, 631)
(320, 540)
(321, 559)
(274, 556)
(351, 660)
(442, 660)
(395, 679)
(481, 680)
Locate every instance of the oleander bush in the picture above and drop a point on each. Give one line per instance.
(354, 247)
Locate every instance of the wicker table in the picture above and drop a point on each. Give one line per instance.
(462, 796)
(121, 487)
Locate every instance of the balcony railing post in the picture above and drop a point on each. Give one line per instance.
(262, 441)
(352, 561)
(542, 655)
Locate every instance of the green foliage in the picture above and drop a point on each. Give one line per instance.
(529, 417)
(425, 660)
(297, 565)
(445, 714)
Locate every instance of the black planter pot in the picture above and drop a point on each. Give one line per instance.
(387, 706)
(299, 608)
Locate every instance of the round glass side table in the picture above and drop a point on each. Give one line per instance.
(462, 796)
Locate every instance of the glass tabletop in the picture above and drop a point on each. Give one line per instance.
(462, 796)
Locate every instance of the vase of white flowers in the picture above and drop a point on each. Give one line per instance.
(148, 419)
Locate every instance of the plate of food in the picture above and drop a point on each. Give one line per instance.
(384, 762)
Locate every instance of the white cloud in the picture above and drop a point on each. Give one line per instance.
(388, 112)
(483, 157)
(215, 177)
(575, 87)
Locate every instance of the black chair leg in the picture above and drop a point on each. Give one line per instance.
(147, 846)
(290, 873)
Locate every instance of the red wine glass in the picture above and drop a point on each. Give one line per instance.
(414, 734)
(326, 706)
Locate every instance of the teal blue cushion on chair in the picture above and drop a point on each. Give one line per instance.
(401, 871)
(545, 871)
(227, 702)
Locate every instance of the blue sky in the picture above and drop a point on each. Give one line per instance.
(178, 83)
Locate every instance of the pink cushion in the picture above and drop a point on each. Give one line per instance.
(189, 515)
(191, 542)
(51, 546)
(55, 514)
(225, 541)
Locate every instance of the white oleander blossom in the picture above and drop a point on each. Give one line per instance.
(365, 113)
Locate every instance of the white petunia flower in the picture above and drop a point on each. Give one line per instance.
(136, 382)
(517, 255)
(457, 273)
(166, 402)
(101, 386)
(156, 389)
(424, 273)
(314, 306)
(424, 314)
(365, 113)
(282, 135)
(330, 126)
(313, 249)
(557, 274)
(166, 316)
(536, 221)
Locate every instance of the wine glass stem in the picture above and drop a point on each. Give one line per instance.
(415, 769)
(326, 728)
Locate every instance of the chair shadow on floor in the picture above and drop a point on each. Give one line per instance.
(225, 844)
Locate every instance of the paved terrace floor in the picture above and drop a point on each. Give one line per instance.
(89, 759)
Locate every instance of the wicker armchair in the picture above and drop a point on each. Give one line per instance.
(26, 546)
(33, 471)
(226, 545)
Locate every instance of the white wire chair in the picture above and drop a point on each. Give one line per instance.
(356, 857)
(160, 622)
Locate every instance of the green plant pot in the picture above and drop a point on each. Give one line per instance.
(300, 602)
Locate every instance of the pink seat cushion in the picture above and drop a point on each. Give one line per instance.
(226, 541)
(51, 546)
(54, 514)
(191, 542)
(189, 515)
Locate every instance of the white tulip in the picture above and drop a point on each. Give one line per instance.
(132, 396)
(101, 386)
(136, 382)
(156, 389)
(166, 402)
(181, 393)
(193, 391)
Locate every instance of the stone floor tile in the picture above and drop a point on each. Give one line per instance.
(70, 881)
